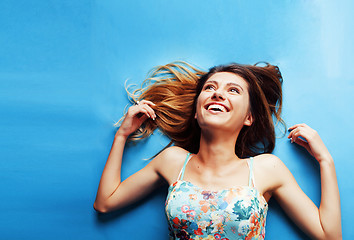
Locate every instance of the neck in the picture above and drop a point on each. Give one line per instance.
(217, 149)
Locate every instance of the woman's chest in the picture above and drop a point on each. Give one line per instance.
(192, 210)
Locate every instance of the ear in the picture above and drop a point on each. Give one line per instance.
(248, 120)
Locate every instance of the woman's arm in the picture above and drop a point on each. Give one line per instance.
(319, 223)
(329, 210)
(113, 194)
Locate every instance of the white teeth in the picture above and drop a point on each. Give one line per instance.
(216, 107)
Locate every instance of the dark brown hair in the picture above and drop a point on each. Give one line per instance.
(175, 87)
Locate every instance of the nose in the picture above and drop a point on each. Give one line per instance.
(218, 95)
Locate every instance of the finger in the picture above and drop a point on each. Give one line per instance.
(306, 133)
(297, 133)
(147, 102)
(293, 135)
(141, 108)
(150, 111)
(290, 134)
(297, 126)
(147, 105)
(292, 127)
(293, 131)
(141, 112)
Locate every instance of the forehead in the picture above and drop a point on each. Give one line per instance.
(227, 77)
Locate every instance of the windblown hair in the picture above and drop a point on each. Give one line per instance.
(175, 88)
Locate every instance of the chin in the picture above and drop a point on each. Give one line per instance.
(215, 124)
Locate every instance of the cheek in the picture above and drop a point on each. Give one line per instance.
(248, 103)
(199, 104)
(247, 108)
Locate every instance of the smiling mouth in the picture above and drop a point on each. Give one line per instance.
(216, 108)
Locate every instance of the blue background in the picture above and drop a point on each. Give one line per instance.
(63, 66)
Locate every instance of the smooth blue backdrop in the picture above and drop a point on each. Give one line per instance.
(63, 66)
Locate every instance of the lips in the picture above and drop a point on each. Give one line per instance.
(216, 107)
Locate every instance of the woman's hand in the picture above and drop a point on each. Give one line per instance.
(135, 116)
(112, 193)
(309, 139)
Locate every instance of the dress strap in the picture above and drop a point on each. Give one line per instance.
(251, 176)
(181, 173)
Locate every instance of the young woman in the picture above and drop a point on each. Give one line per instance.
(220, 171)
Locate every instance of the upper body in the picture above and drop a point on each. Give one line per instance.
(223, 110)
(238, 212)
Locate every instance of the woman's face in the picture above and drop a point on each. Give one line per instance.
(224, 103)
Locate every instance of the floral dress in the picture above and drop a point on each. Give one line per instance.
(235, 213)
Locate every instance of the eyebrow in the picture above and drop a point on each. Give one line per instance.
(228, 84)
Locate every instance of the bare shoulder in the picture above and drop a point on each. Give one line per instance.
(171, 155)
(270, 171)
(169, 162)
(268, 162)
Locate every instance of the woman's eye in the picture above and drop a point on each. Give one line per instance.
(235, 90)
(209, 87)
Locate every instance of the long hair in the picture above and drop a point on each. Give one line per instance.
(175, 88)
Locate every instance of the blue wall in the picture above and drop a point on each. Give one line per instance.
(63, 65)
